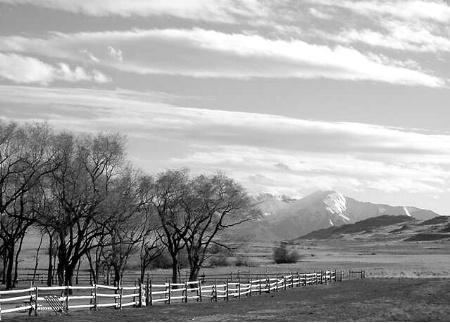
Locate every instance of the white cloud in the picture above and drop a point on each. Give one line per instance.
(319, 14)
(91, 56)
(115, 53)
(226, 11)
(208, 53)
(244, 144)
(409, 10)
(22, 69)
(399, 36)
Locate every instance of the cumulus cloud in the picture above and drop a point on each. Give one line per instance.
(23, 69)
(208, 53)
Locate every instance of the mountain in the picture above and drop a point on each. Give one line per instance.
(387, 227)
(285, 218)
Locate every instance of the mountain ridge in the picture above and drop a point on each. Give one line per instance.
(286, 218)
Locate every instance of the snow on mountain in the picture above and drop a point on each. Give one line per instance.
(406, 211)
(335, 203)
(286, 218)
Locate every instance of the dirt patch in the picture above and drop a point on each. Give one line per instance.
(358, 300)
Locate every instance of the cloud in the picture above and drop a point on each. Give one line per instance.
(23, 69)
(256, 149)
(438, 11)
(91, 56)
(115, 53)
(399, 36)
(319, 14)
(225, 11)
(207, 53)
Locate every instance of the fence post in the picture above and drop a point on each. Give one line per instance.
(67, 297)
(186, 292)
(260, 287)
(149, 292)
(199, 292)
(227, 290)
(141, 290)
(170, 290)
(95, 297)
(36, 294)
(215, 290)
(120, 295)
(239, 287)
(1, 307)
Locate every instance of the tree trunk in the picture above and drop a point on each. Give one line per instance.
(174, 269)
(36, 263)
(16, 261)
(193, 273)
(116, 276)
(50, 261)
(9, 268)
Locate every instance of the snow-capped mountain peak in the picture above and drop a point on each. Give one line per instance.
(335, 203)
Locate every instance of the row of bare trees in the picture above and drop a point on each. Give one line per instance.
(91, 203)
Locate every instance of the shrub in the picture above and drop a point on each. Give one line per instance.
(282, 256)
(220, 260)
(241, 262)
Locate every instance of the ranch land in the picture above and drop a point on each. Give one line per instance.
(372, 299)
(405, 281)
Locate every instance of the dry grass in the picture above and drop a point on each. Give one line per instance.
(356, 300)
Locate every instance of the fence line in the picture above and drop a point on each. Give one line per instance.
(33, 299)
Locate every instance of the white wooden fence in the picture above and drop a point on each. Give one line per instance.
(32, 300)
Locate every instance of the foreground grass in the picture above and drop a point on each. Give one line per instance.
(397, 299)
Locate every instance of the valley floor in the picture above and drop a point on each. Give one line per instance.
(371, 299)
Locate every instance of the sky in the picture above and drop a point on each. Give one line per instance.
(285, 96)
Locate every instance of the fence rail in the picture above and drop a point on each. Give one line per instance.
(34, 300)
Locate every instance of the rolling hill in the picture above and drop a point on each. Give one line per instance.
(387, 227)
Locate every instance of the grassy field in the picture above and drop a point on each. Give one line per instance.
(373, 299)
(380, 258)
(407, 281)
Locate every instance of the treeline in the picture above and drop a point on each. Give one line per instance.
(83, 195)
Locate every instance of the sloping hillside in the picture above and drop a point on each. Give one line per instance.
(285, 218)
(387, 227)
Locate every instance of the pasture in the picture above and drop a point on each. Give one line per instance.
(379, 258)
(374, 299)
(406, 281)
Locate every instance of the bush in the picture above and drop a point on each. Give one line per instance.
(282, 256)
(220, 260)
(241, 262)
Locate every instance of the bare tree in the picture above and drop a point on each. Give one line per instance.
(213, 204)
(25, 158)
(168, 191)
(80, 186)
(127, 223)
(194, 212)
(151, 246)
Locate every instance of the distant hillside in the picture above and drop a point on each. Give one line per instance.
(387, 227)
(360, 226)
(285, 218)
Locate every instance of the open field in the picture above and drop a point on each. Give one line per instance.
(373, 299)
(389, 293)
(379, 257)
